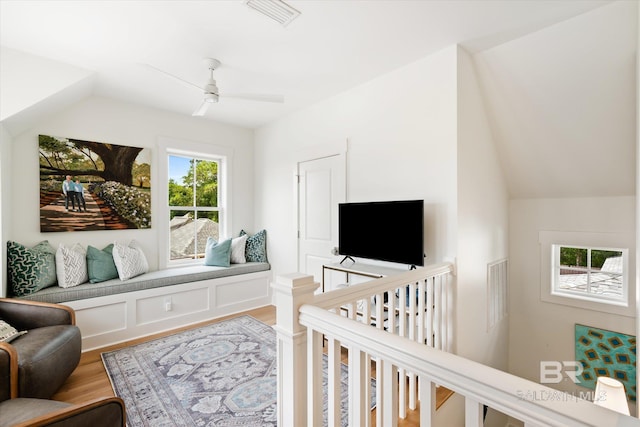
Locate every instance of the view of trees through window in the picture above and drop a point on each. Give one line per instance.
(194, 210)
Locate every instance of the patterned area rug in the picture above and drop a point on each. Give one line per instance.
(222, 374)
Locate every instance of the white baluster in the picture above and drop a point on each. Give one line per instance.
(427, 401)
(402, 331)
(437, 313)
(472, 413)
(314, 378)
(421, 320)
(333, 387)
(359, 410)
(387, 389)
(430, 302)
(413, 404)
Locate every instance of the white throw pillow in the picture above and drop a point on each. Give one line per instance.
(8, 333)
(238, 245)
(71, 265)
(129, 260)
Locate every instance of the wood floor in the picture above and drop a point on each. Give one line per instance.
(90, 380)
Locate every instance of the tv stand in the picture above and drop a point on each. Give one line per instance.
(359, 269)
(346, 258)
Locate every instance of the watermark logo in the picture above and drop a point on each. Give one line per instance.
(560, 396)
(553, 371)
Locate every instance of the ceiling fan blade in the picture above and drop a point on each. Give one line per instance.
(201, 109)
(181, 80)
(255, 97)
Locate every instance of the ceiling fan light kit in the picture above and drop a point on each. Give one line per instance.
(211, 97)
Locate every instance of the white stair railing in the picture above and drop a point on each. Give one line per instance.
(409, 342)
(479, 384)
(425, 318)
(387, 304)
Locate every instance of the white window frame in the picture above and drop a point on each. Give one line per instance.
(224, 157)
(551, 241)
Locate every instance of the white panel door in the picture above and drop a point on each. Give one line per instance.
(321, 186)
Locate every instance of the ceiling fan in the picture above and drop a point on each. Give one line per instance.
(210, 89)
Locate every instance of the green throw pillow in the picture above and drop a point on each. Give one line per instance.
(30, 269)
(217, 254)
(100, 265)
(256, 250)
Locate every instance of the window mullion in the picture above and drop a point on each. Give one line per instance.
(588, 270)
(195, 210)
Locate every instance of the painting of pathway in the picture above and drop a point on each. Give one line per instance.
(99, 216)
(115, 180)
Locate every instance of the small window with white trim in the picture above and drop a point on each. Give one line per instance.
(589, 270)
(593, 273)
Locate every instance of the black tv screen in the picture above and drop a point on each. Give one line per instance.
(386, 231)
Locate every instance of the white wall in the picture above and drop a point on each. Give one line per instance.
(482, 223)
(6, 143)
(418, 132)
(637, 275)
(401, 131)
(27, 80)
(541, 330)
(109, 121)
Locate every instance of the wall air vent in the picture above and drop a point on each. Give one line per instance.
(277, 10)
(497, 292)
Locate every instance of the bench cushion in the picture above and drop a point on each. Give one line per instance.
(154, 279)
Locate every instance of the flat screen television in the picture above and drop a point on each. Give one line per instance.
(387, 231)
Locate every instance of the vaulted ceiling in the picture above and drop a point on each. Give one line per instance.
(558, 77)
(562, 101)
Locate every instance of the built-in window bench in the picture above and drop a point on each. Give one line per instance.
(115, 311)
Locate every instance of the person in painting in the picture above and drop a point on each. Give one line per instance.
(80, 196)
(69, 191)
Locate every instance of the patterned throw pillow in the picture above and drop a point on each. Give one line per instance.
(217, 254)
(256, 250)
(100, 265)
(238, 248)
(8, 332)
(30, 269)
(129, 259)
(71, 265)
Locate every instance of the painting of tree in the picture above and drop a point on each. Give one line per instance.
(87, 185)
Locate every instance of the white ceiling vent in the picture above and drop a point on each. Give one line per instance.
(277, 10)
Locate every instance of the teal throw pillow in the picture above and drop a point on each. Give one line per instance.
(100, 265)
(256, 250)
(217, 254)
(30, 269)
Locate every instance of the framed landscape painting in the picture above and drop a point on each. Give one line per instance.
(88, 185)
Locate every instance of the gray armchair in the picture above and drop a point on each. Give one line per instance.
(27, 412)
(36, 364)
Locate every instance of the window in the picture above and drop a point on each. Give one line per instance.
(194, 207)
(193, 203)
(588, 270)
(593, 273)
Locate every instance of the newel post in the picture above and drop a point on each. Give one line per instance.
(290, 292)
